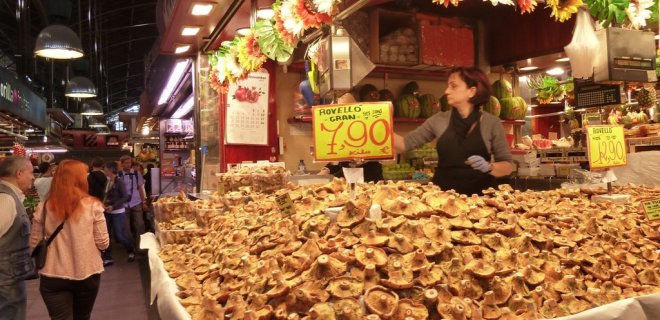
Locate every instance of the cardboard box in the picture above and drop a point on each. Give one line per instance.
(529, 172)
(564, 169)
(547, 169)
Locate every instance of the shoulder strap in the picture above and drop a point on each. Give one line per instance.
(43, 221)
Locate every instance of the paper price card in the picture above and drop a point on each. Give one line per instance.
(285, 204)
(606, 147)
(652, 209)
(353, 131)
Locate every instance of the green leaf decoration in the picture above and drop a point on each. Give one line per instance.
(270, 42)
(608, 11)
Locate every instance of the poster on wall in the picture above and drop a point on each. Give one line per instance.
(247, 111)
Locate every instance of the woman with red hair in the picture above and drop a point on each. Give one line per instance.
(71, 275)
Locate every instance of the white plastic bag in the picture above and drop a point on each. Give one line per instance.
(584, 46)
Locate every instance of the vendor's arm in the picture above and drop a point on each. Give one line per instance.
(502, 166)
(426, 132)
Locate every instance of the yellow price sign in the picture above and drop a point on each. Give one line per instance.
(606, 147)
(353, 131)
(652, 209)
(285, 204)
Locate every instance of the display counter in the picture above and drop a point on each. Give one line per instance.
(542, 254)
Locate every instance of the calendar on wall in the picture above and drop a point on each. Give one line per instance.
(247, 111)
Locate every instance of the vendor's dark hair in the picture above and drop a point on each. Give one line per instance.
(474, 77)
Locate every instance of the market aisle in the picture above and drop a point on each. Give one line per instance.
(120, 296)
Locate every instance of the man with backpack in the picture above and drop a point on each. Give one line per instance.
(136, 205)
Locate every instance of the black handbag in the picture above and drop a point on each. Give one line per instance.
(41, 249)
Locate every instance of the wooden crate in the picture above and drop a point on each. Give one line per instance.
(383, 22)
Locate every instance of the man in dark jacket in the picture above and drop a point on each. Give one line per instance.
(97, 179)
(114, 201)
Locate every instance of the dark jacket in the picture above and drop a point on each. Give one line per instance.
(97, 181)
(116, 195)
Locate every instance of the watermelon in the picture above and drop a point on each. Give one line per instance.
(407, 106)
(502, 89)
(411, 88)
(444, 105)
(386, 95)
(369, 92)
(493, 106)
(513, 108)
(429, 104)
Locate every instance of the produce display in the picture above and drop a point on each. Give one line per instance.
(429, 105)
(260, 179)
(513, 108)
(399, 47)
(407, 106)
(493, 106)
(502, 89)
(433, 254)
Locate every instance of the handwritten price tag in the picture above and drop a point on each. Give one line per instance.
(285, 204)
(606, 147)
(353, 131)
(652, 209)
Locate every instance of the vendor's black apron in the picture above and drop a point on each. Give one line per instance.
(452, 172)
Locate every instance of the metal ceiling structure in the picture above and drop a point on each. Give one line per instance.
(117, 37)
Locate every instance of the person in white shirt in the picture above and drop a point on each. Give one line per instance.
(42, 183)
(16, 265)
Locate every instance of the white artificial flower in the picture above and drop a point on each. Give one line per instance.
(505, 2)
(324, 6)
(638, 12)
(290, 21)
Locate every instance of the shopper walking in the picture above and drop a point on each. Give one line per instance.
(467, 138)
(97, 179)
(115, 208)
(71, 276)
(16, 177)
(136, 204)
(42, 183)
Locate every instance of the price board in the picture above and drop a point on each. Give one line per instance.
(353, 131)
(606, 147)
(652, 209)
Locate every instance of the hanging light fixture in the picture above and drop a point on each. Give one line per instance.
(58, 42)
(93, 122)
(91, 107)
(80, 87)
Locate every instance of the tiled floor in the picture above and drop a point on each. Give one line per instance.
(120, 297)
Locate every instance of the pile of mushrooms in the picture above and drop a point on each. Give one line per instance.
(434, 254)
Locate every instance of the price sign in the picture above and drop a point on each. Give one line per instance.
(606, 147)
(285, 204)
(652, 209)
(353, 131)
(592, 118)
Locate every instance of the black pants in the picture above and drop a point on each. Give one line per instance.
(69, 299)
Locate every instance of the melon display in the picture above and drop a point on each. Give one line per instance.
(444, 105)
(502, 89)
(429, 105)
(411, 87)
(368, 93)
(386, 95)
(493, 106)
(407, 106)
(513, 108)
(646, 97)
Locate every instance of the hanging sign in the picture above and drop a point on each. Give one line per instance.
(652, 209)
(353, 131)
(18, 100)
(606, 147)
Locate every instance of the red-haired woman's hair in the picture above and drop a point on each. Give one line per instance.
(475, 77)
(68, 188)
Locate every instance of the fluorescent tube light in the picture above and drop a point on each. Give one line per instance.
(555, 71)
(181, 48)
(528, 68)
(173, 81)
(202, 9)
(184, 108)
(190, 31)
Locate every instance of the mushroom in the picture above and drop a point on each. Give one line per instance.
(623, 256)
(324, 269)
(436, 199)
(348, 309)
(599, 270)
(524, 244)
(508, 314)
(452, 311)
(495, 241)
(398, 279)
(401, 206)
(416, 260)
(480, 268)
(352, 214)
(363, 228)
(533, 275)
(573, 304)
(345, 287)
(551, 309)
(506, 261)
(437, 233)
(305, 295)
(469, 289)
(262, 313)
(411, 310)
(485, 225)
(344, 255)
(430, 276)
(309, 250)
(454, 267)
(478, 212)
(322, 311)
(517, 302)
(596, 296)
(461, 222)
(411, 229)
(381, 301)
(391, 223)
(489, 307)
(374, 239)
(317, 224)
(569, 284)
(518, 284)
(465, 237)
(366, 255)
(626, 282)
(454, 206)
(649, 276)
(400, 243)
